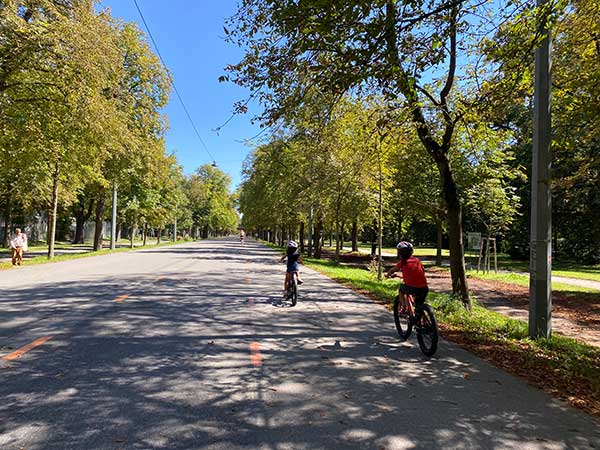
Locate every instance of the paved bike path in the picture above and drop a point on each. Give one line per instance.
(197, 357)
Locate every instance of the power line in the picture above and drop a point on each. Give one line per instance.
(174, 86)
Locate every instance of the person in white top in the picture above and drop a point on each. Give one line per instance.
(17, 244)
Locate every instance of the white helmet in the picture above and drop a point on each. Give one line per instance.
(405, 249)
(292, 244)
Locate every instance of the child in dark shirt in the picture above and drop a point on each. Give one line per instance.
(293, 264)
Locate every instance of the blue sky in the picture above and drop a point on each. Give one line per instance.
(190, 37)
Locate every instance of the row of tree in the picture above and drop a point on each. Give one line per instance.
(424, 108)
(81, 99)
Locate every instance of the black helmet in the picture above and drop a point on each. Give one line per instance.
(405, 249)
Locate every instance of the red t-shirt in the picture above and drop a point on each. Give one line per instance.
(413, 272)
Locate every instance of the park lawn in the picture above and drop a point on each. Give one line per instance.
(575, 367)
(522, 279)
(44, 259)
(505, 262)
(39, 247)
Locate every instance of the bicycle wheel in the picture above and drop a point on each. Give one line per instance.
(402, 319)
(427, 332)
(294, 291)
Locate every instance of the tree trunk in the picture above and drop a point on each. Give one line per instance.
(81, 217)
(355, 236)
(99, 218)
(457, 255)
(301, 237)
(145, 233)
(337, 241)
(158, 236)
(52, 215)
(8, 217)
(132, 237)
(399, 235)
(438, 255)
(318, 239)
(374, 239)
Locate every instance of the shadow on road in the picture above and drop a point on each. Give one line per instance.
(171, 367)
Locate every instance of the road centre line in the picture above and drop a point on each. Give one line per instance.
(20, 352)
(255, 356)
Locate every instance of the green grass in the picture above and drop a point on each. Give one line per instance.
(44, 259)
(580, 272)
(523, 280)
(565, 357)
(564, 354)
(505, 262)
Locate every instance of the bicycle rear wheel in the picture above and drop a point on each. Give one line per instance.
(402, 319)
(294, 291)
(427, 332)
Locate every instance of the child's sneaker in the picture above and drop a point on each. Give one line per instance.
(300, 281)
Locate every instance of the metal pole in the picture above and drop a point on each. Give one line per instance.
(310, 232)
(380, 225)
(540, 289)
(113, 223)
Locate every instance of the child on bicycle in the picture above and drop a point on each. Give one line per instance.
(293, 264)
(413, 277)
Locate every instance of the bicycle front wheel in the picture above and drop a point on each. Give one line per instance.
(402, 319)
(427, 332)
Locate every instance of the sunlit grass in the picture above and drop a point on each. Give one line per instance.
(521, 279)
(44, 259)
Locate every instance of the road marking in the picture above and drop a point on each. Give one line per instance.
(255, 356)
(121, 298)
(18, 353)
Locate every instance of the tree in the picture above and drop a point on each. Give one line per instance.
(391, 46)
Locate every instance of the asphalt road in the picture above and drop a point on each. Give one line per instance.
(182, 348)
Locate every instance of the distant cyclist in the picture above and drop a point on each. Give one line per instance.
(413, 277)
(293, 264)
(242, 236)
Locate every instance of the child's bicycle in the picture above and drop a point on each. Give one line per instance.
(425, 325)
(292, 290)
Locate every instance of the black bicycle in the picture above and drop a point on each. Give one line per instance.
(425, 325)
(292, 290)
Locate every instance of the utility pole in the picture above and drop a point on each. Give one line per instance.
(113, 224)
(310, 232)
(540, 288)
(175, 226)
(380, 221)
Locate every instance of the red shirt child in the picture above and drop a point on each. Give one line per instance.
(413, 274)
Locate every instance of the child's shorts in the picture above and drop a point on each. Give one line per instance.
(419, 294)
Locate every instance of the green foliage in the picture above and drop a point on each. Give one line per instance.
(211, 205)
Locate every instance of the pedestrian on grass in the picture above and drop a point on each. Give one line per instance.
(18, 244)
